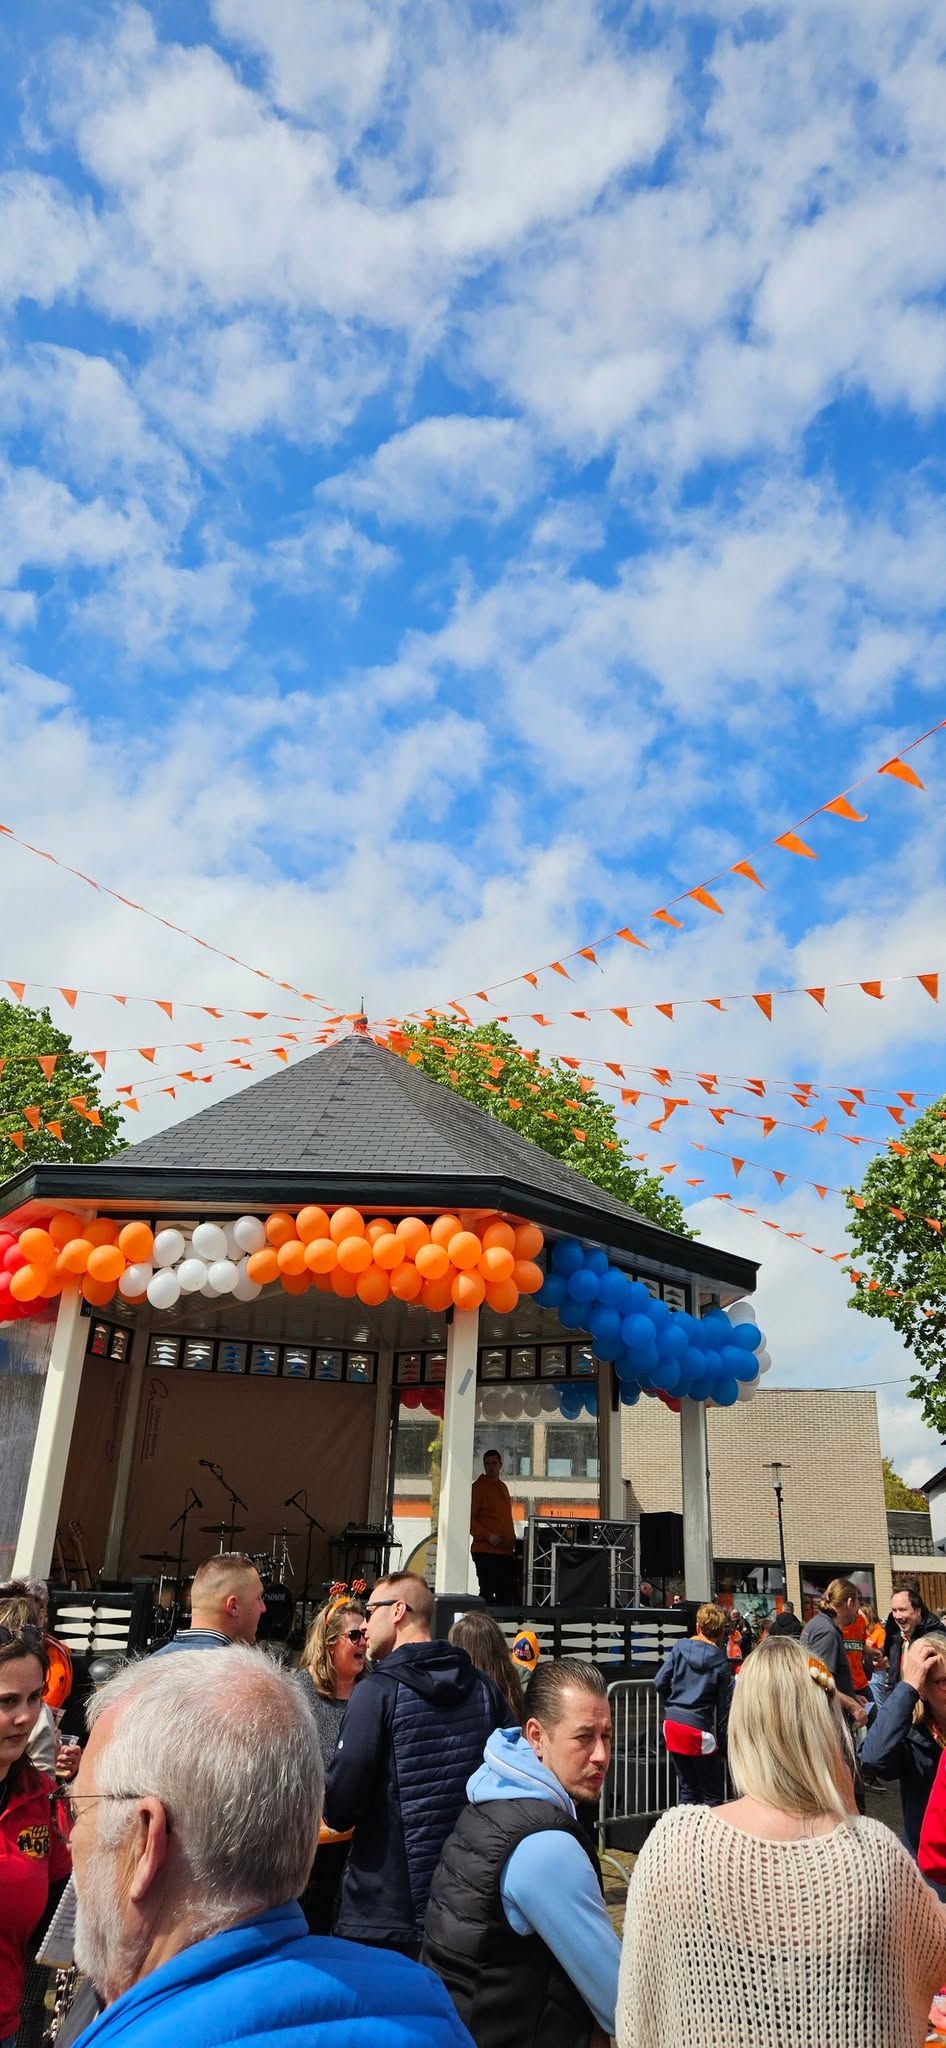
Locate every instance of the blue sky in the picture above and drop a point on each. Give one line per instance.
(468, 474)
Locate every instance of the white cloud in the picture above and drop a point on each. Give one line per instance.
(440, 470)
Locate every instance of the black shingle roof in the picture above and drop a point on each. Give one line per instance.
(355, 1120)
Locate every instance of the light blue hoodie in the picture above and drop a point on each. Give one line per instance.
(548, 1886)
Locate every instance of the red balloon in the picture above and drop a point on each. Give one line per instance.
(13, 1259)
(6, 1240)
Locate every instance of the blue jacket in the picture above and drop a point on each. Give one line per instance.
(271, 1983)
(548, 1885)
(894, 1748)
(695, 1686)
(415, 1728)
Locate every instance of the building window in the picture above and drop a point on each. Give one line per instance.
(412, 1456)
(816, 1578)
(571, 1453)
(513, 1441)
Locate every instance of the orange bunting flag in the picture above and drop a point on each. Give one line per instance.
(858, 1202)
(567, 1060)
(631, 940)
(533, 979)
(19, 989)
(744, 867)
(893, 1109)
(900, 1214)
(17, 1138)
(170, 1091)
(115, 999)
(931, 984)
(708, 1082)
(129, 1103)
(765, 1005)
(69, 995)
(622, 1017)
(817, 994)
(709, 902)
(614, 1068)
(99, 1058)
(902, 771)
(931, 1220)
(279, 1052)
(515, 1101)
(664, 917)
(168, 1008)
(537, 1018)
(557, 968)
(779, 1178)
(790, 843)
(719, 1115)
(583, 1014)
(47, 1061)
(588, 953)
(754, 1087)
(630, 1095)
(210, 1012)
(55, 1128)
(820, 1127)
(78, 1103)
(849, 1108)
(820, 1192)
(737, 1166)
(873, 988)
(768, 1125)
(579, 1135)
(146, 1052)
(714, 1003)
(938, 1158)
(33, 1116)
(666, 1010)
(894, 1145)
(840, 808)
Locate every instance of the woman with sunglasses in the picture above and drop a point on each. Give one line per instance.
(332, 1663)
(33, 1855)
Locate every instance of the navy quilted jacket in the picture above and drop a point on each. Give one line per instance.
(414, 1732)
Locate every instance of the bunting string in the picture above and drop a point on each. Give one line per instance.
(822, 1188)
(874, 987)
(169, 1004)
(788, 841)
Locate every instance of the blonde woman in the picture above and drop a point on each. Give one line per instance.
(803, 1923)
(908, 1735)
(332, 1662)
(824, 1636)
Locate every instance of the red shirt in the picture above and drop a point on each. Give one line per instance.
(33, 1856)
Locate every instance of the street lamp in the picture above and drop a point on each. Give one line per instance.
(777, 1468)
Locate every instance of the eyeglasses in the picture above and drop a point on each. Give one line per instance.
(355, 1635)
(29, 1635)
(70, 1800)
(377, 1604)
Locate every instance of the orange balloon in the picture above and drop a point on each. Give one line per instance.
(74, 1256)
(496, 1263)
(55, 1283)
(323, 1281)
(437, 1294)
(311, 1224)
(372, 1286)
(37, 1246)
(389, 1251)
(413, 1232)
(444, 1228)
(136, 1240)
(468, 1290)
(263, 1266)
(296, 1283)
(406, 1282)
(102, 1231)
(106, 1262)
(290, 1257)
(380, 1226)
(527, 1276)
(347, 1223)
(344, 1284)
(62, 1227)
(529, 1240)
(503, 1297)
(432, 1261)
(499, 1234)
(464, 1250)
(98, 1293)
(27, 1283)
(321, 1255)
(355, 1255)
(279, 1228)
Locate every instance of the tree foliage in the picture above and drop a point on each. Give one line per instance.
(904, 1252)
(897, 1494)
(547, 1104)
(28, 1096)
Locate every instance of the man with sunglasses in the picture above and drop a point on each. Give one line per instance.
(415, 1730)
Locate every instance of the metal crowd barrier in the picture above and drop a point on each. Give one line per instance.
(640, 1784)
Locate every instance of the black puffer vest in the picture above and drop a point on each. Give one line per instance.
(509, 1989)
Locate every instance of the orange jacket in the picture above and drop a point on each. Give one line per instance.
(855, 1636)
(491, 1515)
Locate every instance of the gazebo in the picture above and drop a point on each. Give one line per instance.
(300, 1390)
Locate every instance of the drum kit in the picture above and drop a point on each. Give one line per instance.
(171, 1605)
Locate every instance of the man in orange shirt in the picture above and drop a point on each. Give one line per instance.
(859, 1657)
(494, 1542)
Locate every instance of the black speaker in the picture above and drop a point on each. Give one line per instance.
(584, 1576)
(661, 1546)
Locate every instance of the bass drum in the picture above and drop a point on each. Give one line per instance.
(276, 1624)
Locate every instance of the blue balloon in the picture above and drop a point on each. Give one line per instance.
(614, 1289)
(701, 1386)
(606, 1326)
(645, 1379)
(551, 1294)
(725, 1393)
(666, 1375)
(597, 1260)
(567, 1256)
(657, 1311)
(684, 1321)
(590, 1400)
(715, 1334)
(582, 1285)
(746, 1336)
(571, 1315)
(630, 1395)
(638, 1332)
(671, 1340)
(625, 1368)
(749, 1369)
(730, 1359)
(636, 1296)
(569, 1403)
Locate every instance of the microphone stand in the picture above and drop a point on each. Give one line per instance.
(298, 1501)
(191, 1500)
(235, 1499)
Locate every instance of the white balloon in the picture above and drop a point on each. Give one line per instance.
(741, 1312)
(549, 1401)
(233, 1249)
(765, 1365)
(222, 1276)
(135, 1280)
(210, 1242)
(210, 1292)
(493, 1403)
(747, 1388)
(249, 1234)
(763, 1359)
(532, 1405)
(192, 1275)
(512, 1406)
(245, 1289)
(168, 1247)
(164, 1287)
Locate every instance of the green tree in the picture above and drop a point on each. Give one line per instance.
(894, 1213)
(31, 1095)
(546, 1103)
(897, 1494)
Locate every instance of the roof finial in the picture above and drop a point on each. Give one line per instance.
(360, 1023)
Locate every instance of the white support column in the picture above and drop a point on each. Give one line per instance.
(116, 1524)
(44, 1486)
(697, 1527)
(610, 1467)
(459, 1416)
(381, 1442)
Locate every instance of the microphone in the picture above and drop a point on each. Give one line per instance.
(211, 1467)
(196, 1502)
(293, 1497)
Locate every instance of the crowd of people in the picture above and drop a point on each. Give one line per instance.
(395, 1842)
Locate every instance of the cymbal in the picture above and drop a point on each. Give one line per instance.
(159, 1557)
(222, 1529)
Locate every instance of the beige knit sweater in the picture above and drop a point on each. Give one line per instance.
(733, 1942)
